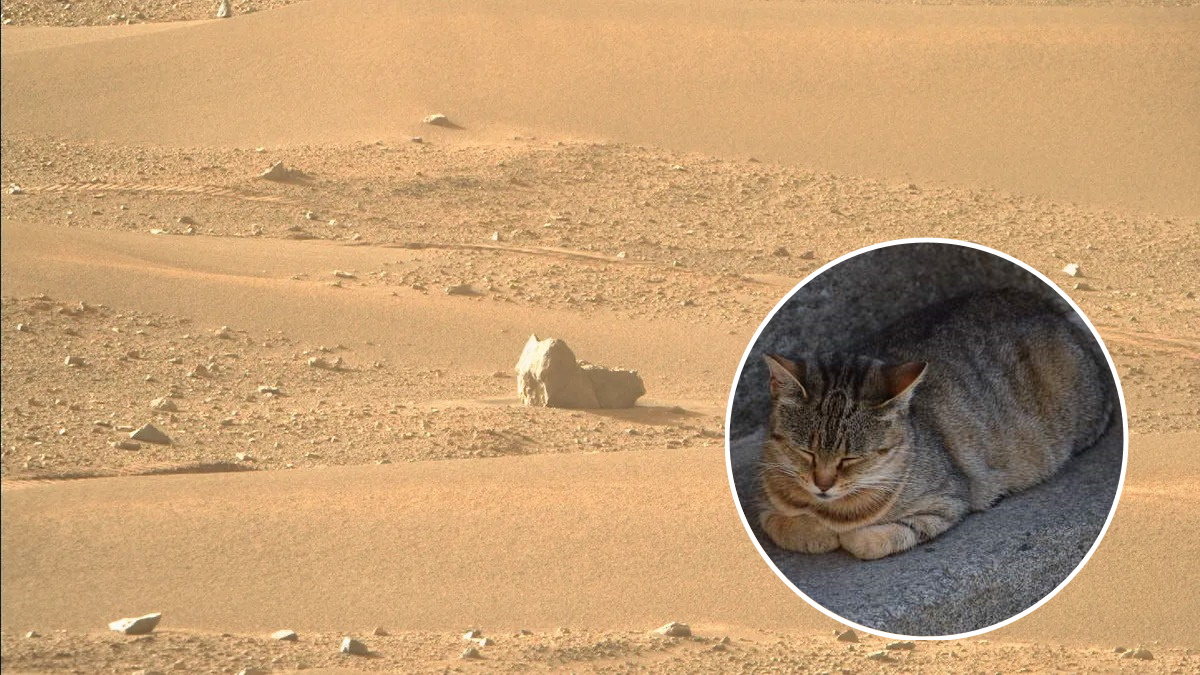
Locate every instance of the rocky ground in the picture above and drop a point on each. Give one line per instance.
(574, 649)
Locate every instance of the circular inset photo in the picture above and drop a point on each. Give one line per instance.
(926, 439)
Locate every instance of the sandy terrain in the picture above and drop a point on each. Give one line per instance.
(639, 212)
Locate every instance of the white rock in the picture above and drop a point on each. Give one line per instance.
(289, 635)
(352, 646)
(73, 361)
(438, 120)
(470, 653)
(141, 625)
(164, 404)
(549, 376)
(1072, 270)
(224, 11)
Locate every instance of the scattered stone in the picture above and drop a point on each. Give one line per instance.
(781, 252)
(223, 10)
(1120, 650)
(164, 404)
(900, 644)
(273, 391)
(438, 120)
(461, 289)
(149, 433)
(1072, 270)
(344, 275)
(808, 255)
(1140, 653)
(318, 362)
(379, 632)
(470, 653)
(352, 646)
(14, 189)
(880, 656)
(718, 647)
(496, 236)
(223, 333)
(185, 220)
(847, 635)
(199, 371)
(280, 173)
(252, 671)
(674, 629)
(549, 376)
(243, 457)
(142, 625)
(417, 139)
(32, 634)
(473, 634)
(22, 328)
(73, 362)
(289, 635)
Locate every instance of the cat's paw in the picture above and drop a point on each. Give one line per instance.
(798, 533)
(877, 541)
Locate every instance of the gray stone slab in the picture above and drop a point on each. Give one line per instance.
(989, 567)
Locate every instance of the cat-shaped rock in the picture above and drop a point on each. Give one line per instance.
(942, 413)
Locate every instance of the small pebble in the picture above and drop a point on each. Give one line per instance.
(352, 646)
(674, 629)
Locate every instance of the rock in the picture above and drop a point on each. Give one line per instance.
(344, 275)
(142, 625)
(438, 120)
(470, 653)
(615, 388)
(126, 445)
(352, 646)
(548, 375)
(223, 333)
(224, 11)
(900, 644)
(473, 634)
(1072, 270)
(808, 255)
(781, 252)
(268, 389)
(32, 634)
(461, 289)
(13, 188)
(379, 632)
(243, 457)
(1120, 650)
(149, 433)
(164, 404)
(674, 629)
(289, 635)
(880, 656)
(847, 635)
(252, 671)
(1138, 653)
(280, 173)
(73, 362)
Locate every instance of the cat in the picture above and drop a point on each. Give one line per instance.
(944, 412)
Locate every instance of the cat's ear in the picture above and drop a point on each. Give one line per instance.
(898, 381)
(786, 377)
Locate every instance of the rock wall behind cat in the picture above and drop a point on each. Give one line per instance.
(862, 295)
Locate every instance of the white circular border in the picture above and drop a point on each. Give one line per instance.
(1124, 437)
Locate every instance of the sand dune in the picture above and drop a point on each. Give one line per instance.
(1093, 106)
(535, 542)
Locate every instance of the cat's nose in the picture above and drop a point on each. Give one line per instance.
(823, 482)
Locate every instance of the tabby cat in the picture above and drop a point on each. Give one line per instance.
(942, 413)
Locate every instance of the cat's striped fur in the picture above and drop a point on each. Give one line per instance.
(942, 413)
